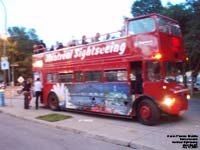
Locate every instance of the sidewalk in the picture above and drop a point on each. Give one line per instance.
(118, 131)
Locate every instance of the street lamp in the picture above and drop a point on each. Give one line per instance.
(4, 37)
(5, 16)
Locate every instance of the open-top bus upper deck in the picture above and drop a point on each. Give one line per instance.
(147, 37)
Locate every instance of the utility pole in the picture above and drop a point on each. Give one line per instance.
(4, 60)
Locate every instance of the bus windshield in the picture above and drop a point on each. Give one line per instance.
(169, 27)
(141, 26)
(153, 72)
(170, 71)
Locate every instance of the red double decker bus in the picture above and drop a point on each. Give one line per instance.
(127, 75)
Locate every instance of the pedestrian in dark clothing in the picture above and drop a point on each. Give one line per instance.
(84, 40)
(60, 46)
(42, 43)
(97, 36)
(27, 94)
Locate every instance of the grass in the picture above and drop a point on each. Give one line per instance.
(53, 117)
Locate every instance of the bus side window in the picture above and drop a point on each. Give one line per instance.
(164, 29)
(78, 76)
(116, 75)
(153, 71)
(65, 77)
(51, 77)
(93, 76)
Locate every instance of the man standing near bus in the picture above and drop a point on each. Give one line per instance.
(38, 91)
(27, 95)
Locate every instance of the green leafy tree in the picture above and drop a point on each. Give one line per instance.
(188, 14)
(19, 47)
(178, 12)
(143, 7)
(192, 36)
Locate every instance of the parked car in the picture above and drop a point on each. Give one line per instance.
(179, 79)
(197, 84)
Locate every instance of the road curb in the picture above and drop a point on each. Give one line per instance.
(130, 144)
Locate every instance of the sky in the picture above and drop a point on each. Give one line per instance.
(60, 20)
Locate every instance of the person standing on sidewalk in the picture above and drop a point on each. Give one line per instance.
(38, 91)
(27, 94)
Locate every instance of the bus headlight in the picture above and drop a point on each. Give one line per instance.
(168, 101)
(188, 96)
(38, 63)
(164, 87)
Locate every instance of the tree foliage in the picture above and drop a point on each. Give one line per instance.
(187, 14)
(142, 7)
(192, 36)
(179, 13)
(19, 47)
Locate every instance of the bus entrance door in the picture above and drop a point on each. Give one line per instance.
(136, 77)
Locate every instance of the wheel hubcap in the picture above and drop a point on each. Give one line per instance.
(145, 112)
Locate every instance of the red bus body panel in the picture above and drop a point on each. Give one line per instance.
(114, 98)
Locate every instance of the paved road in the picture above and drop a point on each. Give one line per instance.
(18, 134)
(119, 131)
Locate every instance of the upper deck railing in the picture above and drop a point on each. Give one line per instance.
(39, 48)
(134, 26)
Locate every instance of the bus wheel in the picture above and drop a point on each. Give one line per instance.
(147, 112)
(53, 102)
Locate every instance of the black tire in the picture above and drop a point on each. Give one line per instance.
(53, 102)
(147, 112)
(26, 104)
(26, 100)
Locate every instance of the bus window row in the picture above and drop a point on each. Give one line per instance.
(118, 75)
(153, 74)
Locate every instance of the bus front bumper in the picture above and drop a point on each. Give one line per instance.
(174, 106)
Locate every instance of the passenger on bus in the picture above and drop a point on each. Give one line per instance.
(71, 43)
(35, 48)
(38, 48)
(108, 36)
(52, 48)
(42, 43)
(123, 29)
(84, 40)
(96, 38)
(59, 45)
(42, 47)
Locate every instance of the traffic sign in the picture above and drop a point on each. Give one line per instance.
(4, 65)
(20, 79)
(4, 58)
